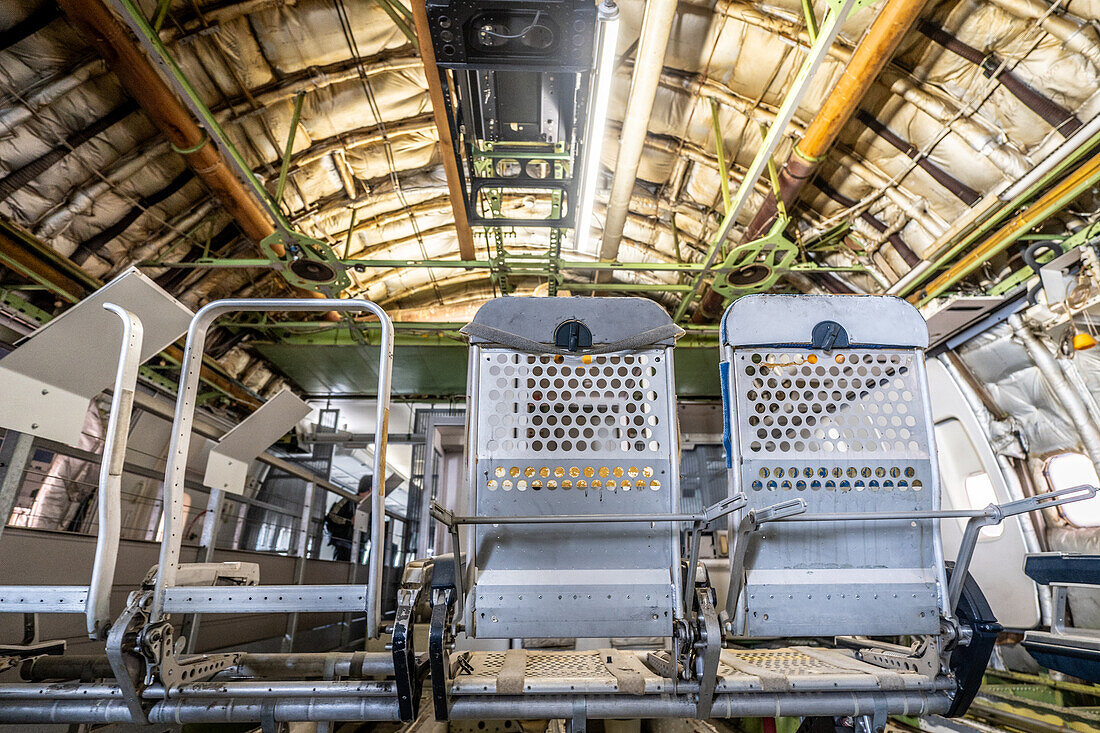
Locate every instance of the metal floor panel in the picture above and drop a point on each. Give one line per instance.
(795, 669)
(551, 672)
(808, 669)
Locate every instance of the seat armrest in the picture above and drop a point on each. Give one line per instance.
(1046, 568)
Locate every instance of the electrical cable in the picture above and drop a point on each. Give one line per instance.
(521, 34)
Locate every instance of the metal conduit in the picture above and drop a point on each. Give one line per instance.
(1063, 391)
(656, 30)
(313, 709)
(867, 61)
(264, 666)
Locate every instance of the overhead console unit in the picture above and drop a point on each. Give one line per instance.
(515, 76)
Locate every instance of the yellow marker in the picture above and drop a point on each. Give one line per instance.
(840, 358)
(812, 358)
(586, 359)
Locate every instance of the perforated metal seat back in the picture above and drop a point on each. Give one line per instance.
(848, 430)
(573, 434)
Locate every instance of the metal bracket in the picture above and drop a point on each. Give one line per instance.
(708, 647)
(125, 664)
(715, 511)
(578, 722)
(443, 604)
(309, 263)
(749, 523)
(922, 657)
(757, 265)
(404, 656)
(160, 646)
(448, 519)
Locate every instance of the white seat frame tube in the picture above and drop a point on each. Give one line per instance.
(185, 412)
(98, 608)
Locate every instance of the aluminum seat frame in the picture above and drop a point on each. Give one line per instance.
(746, 687)
(169, 598)
(93, 600)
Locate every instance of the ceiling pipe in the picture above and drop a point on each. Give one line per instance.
(656, 30)
(867, 61)
(1056, 199)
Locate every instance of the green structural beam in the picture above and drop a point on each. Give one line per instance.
(536, 265)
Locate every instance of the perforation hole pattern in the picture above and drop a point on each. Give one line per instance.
(786, 662)
(836, 478)
(844, 403)
(575, 477)
(559, 664)
(610, 403)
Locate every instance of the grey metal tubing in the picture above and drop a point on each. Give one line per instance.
(283, 689)
(261, 666)
(97, 610)
(744, 705)
(1067, 396)
(176, 711)
(582, 519)
(64, 711)
(184, 416)
(881, 516)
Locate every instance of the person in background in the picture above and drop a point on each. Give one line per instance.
(340, 520)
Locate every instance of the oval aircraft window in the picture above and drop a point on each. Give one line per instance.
(1067, 470)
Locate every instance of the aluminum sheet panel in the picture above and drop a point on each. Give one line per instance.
(574, 435)
(848, 432)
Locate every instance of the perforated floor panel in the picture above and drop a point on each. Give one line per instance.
(808, 668)
(606, 671)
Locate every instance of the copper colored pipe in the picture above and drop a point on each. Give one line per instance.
(142, 81)
(114, 42)
(867, 61)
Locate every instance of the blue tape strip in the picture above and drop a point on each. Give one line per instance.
(727, 429)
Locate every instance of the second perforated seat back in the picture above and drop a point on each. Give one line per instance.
(846, 426)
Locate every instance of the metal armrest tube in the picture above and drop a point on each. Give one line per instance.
(185, 412)
(995, 514)
(97, 610)
(749, 523)
(707, 515)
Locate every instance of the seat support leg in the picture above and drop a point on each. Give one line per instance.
(405, 669)
(443, 603)
(579, 722)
